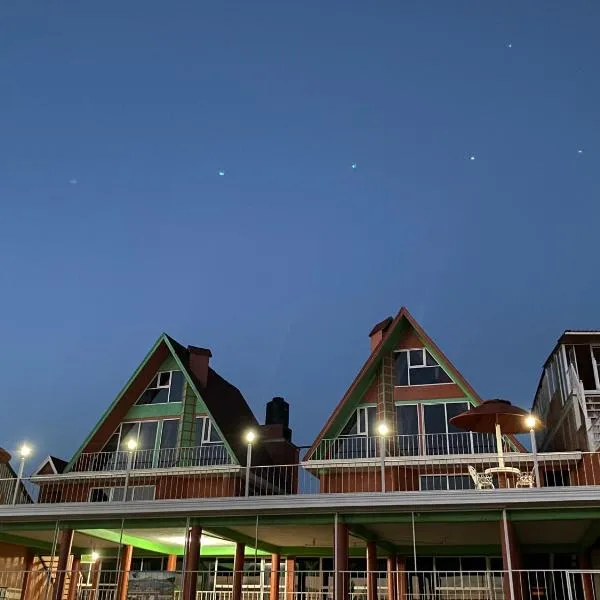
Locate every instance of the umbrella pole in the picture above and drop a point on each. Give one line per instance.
(499, 446)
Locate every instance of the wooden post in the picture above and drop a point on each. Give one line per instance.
(74, 578)
(172, 563)
(96, 568)
(192, 559)
(391, 578)
(341, 561)
(123, 584)
(371, 571)
(275, 576)
(401, 578)
(64, 551)
(290, 577)
(27, 569)
(238, 570)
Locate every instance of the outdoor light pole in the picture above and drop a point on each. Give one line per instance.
(250, 437)
(383, 430)
(131, 446)
(24, 452)
(531, 422)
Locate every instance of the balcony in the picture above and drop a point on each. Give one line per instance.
(477, 473)
(428, 444)
(214, 454)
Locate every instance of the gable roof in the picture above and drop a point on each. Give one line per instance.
(51, 465)
(392, 328)
(225, 403)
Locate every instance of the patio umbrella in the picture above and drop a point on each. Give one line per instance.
(494, 416)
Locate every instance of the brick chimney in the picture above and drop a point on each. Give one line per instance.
(199, 358)
(276, 435)
(379, 331)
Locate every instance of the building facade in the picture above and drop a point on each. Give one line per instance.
(179, 492)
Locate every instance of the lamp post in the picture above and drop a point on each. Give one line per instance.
(131, 446)
(250, 437)
(532, 422)
(23, 452)
(383, 430)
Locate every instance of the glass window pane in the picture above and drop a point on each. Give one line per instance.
(460, 482)
(436, 440)
(199, 426)
(362, 421)
(128, 431)
(154, 396)
(117, 494)
(416, 358)
(164, 379)
(434, 482)
(214, 434)
(351, 426)
(401, 368)
(407, 424)
(176, 394)
(429, 360)
(143, 492)
(428, 376)
(371, 420)
(170, 430)
(147, 436)
(459, 440)
(99, 494)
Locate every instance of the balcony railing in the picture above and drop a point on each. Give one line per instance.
(426, 444)
(158, 458)
(476, 473)
(572, 584)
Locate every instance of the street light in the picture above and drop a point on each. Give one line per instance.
(95, 556)
(250, 438)
(531, 422)
(383, 430)
(24, 451)
(131, 444)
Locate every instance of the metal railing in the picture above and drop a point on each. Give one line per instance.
(425, 444)
(480, 473)
(213, 454)
(571, 584)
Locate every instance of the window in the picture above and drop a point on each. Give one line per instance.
(167, 456)
(441, 437)
(205, 433)
(115, 494)
(418, 367)
(208, 447)
(407, 425)
(167, 386)
(115, 454)
(445, 482)
(357, 439)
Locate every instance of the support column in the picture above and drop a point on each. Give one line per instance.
(125, 562)
(371, 571)
(401, 577)
(74, 577)
(275, 576)
(172, 563)
(238, 570)
(587, 581)
(391, 577)
(96, 568)
(511, 559)
(290, 577)
(340, 561)
(191, 561)
(65, 540)
(27, 569)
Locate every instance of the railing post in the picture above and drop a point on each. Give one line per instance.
(18, 479)
(536, 467)
(248, 463)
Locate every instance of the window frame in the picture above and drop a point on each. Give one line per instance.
(364, 410)
(121, 487)
(424, 365)
(447, 476)
(207, 430)
(161, 387)
(596, 367)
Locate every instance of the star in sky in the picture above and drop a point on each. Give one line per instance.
(221, 173)
(354, 165)
(73, 181)
(510, 45)
(580, 151)
(472, 157)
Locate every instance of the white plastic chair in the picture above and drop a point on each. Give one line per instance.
(526, 480)
(481, 480)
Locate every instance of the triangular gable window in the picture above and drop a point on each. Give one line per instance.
(418, 367)
(166, 387)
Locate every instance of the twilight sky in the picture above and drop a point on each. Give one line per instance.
(116, 119)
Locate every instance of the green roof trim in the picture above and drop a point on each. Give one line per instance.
(131, 540)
